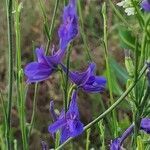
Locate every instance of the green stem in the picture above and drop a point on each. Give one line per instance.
(4, 109)
(88, 139)
(57, 140)
(108, 71)
(65, 2)
(52, 26)
(20, 88)
(122, 97)
(144, 43)
(102, 134)
(82, 31)
(146, 25)
(18, 66)
(62, 79)
(17, 30)
(67, 78)
(15, 144)
(70, 92)
(10, 68)
(106, 118)
(142, 50)
(143, 103)
(136, 112)
(138, 13)
(22, 112)
(33, 109)
(137, 121)
(136, 90)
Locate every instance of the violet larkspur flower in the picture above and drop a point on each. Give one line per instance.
(44, 66)
(68, 124)
(116, 143)
(145, 125)
(87, 80)
(69, 28)
(145, 4)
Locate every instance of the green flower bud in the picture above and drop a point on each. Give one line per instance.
(129, 65)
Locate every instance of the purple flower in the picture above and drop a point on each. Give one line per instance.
(87, 80)
(68, 124)
(115, 145)
(146, 5)
(145, 126)
(44, 66)
(69, 28)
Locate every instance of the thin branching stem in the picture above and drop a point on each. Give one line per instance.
(82, 31)
(33, 109)
(108, 69)
(52, 26)
(10, 71)
(67, 79)
(19, 76)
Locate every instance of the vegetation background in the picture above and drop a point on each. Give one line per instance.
(90, 105)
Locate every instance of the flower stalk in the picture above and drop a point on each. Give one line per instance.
(9, 5)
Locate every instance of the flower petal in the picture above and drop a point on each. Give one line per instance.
(69, 29)
(95, 84)
(55, 59)
(115, 145)
(80, 78)
(145, 125)
(40, 55)
(75, 127)
(65, 134)
(37, 72)
(56, 125)
(146, 5)
(73, 108)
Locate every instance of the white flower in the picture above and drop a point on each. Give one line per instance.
(127, 5)
(121, 4)
(130, 11)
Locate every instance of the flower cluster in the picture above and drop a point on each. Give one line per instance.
(129, 8)
(127, 5)
(144, 126)
(68, 122)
